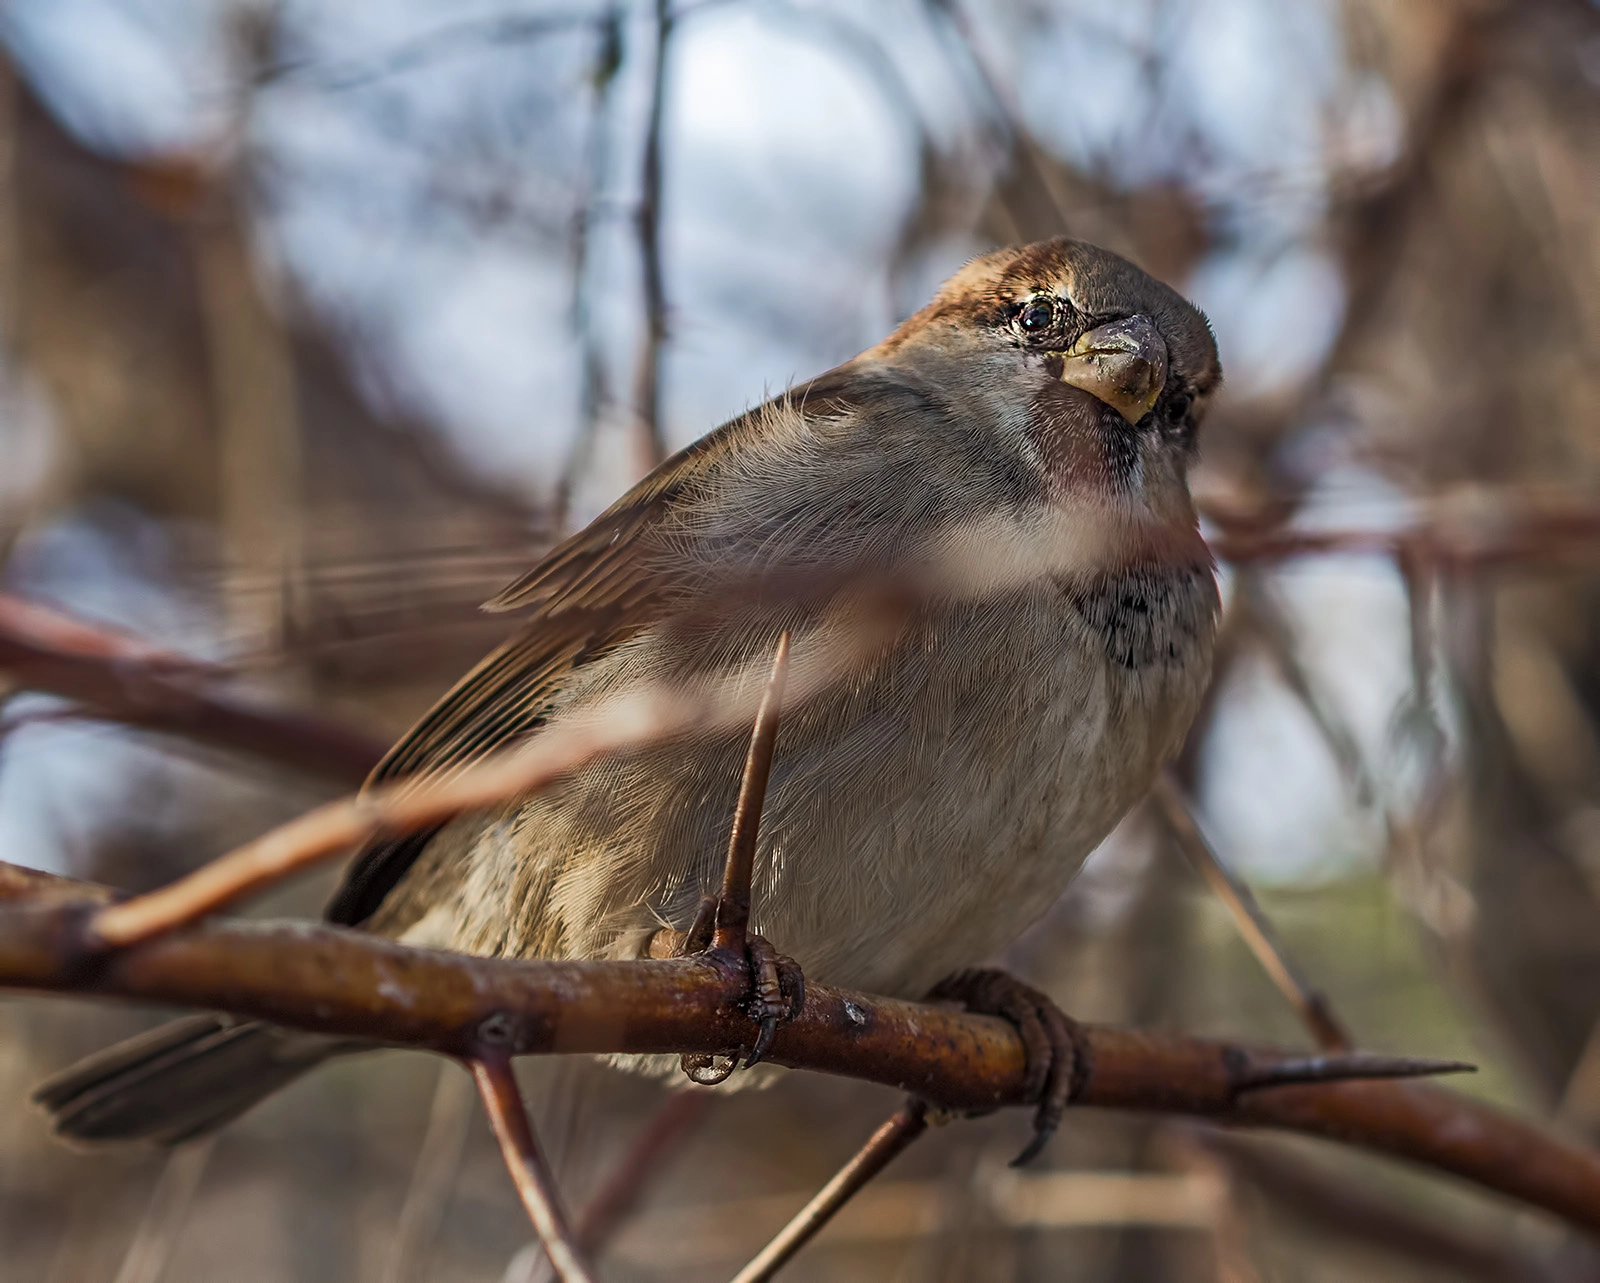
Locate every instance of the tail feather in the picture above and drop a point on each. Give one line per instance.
(177, 1081)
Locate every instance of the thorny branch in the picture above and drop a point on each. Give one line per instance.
(325, 979)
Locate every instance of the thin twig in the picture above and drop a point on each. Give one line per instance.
(1372, 1218)
(1273, 630)
(465, 35)
(890, 1140)
(1233, 1260)
(596, 165)
(432, 1178)
(627, 721)
(164, 1218)
(1500, 531)
(733, 905)
(497, 1085)
(1252, 923)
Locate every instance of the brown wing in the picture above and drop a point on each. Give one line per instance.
(590, 594)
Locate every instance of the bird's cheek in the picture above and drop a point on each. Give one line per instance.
(1085, 446)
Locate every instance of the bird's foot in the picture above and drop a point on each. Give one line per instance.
(777, 993)
(1056, 1055)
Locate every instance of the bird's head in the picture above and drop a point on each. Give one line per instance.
(1102, 372)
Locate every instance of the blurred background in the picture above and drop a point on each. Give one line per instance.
(319, 321)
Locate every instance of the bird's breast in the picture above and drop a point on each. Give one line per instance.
(927, 817)
(921, 812)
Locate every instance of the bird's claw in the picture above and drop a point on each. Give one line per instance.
(777, 994)
(1056, 1055)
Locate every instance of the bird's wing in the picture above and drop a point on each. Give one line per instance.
(589, 595)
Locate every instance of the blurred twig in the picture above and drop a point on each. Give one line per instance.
(1231, 1250)
(909, 1122)
(163, 1220)
(125, 680)
(597, 151)
(437, 1166)
(464, 35)
(1348, 1208)
(1256, 600)
(647, 389)
(1487, 531)
(636, 720)
(617, 1198)
(1252, 923)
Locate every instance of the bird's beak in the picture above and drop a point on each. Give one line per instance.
(1124, 364)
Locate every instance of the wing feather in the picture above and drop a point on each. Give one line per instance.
(589, 595)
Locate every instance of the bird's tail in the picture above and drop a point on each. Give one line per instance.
(177, 1081)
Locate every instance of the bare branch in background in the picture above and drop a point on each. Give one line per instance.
(1253, 924)
(634, 720)
(647, 384)
(434, 1175)
(597, 151)
(125, 680)
(467, 35)
(1483, 531)
(389, 809)
(1346, 1207)
(654, 1147)
(1258, 603)
(885, 1145)
(164, 1216)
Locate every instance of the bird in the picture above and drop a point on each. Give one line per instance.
(1018, 452)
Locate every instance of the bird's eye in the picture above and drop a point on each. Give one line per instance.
(1036, 316)
(1178, 407)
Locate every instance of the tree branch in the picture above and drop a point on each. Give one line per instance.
(884, 1146)
(497, 1085)
(330, 980)
(1490, 531)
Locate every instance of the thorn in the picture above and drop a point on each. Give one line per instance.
(1352, 1066)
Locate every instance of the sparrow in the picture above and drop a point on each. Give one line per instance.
(1018, 450)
